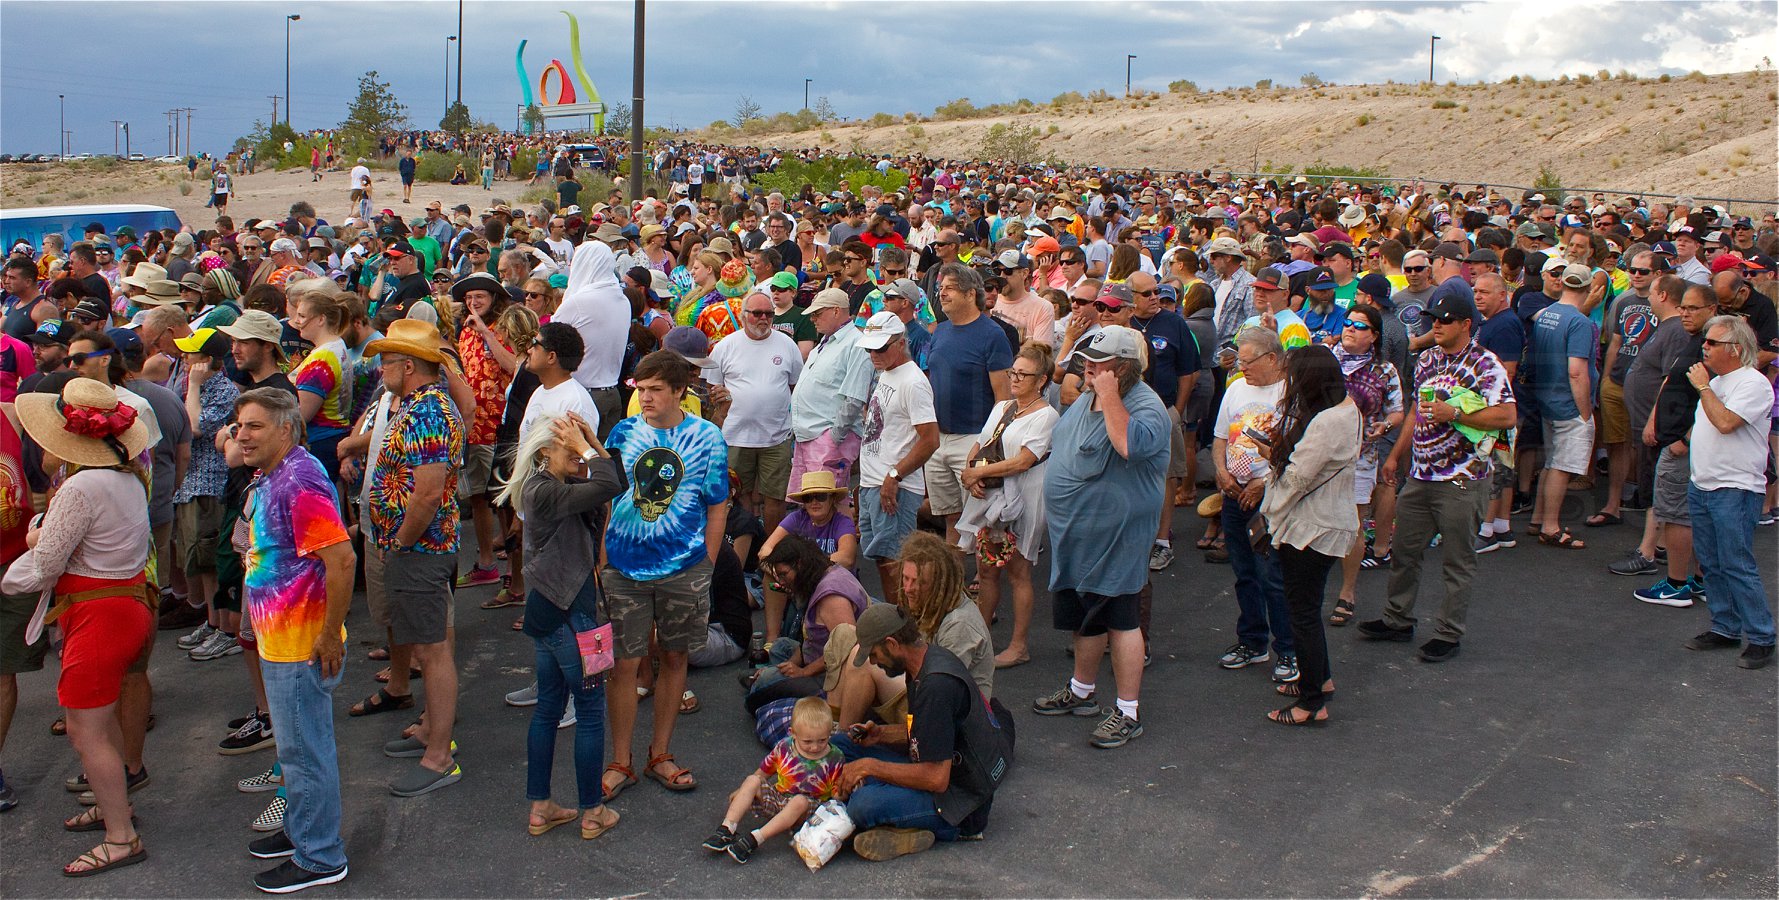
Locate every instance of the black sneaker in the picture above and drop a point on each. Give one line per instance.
(1711, 640)
(276, 845)
(1240, 656)
(288, 878)
(1438, 650)
(720, 840)
(1379, 630)
(742, 847)
(254, 734)
(237, 723)
(1756, 656)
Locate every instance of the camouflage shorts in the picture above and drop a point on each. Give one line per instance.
(675, 608)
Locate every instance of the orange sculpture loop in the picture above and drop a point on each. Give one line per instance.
(565, 88)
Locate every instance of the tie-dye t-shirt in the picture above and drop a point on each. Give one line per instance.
(789, 773)
(672, 476)
(292, 514)
(426, 431)
(1442, 452)
(322, 374)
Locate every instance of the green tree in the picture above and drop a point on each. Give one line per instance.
(1017, 143)
(618, 120)
(457, 119)
(1311, 80)
(1182, 86)
(375, 110)
(534, 119)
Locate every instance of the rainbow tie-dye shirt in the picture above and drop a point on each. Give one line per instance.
(292, 514)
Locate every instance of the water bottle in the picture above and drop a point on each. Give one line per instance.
(756, 649)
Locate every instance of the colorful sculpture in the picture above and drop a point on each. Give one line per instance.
(567, 101)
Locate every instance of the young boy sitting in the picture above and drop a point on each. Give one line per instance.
(800, 772)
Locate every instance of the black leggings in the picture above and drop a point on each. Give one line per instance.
(1306, 581)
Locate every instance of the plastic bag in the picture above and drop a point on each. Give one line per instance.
(823, 834)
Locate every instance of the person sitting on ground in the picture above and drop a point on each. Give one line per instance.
(827, 596)
(800, 773)
(819, 521)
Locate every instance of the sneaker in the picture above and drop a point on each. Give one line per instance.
(1379, 630)
(1696, 584)
(1666, 593)
(1754, 656)
(421, 780)
(525, 696)
(276, 845)
(1115, 730)
(1065, 703)
(198, 636)
(1505, 541)
(8, 798)
(272, 819)
(1437, 540)
(1285, 670)
(719, 840)
(1374, 561)
(237, 723)
(269, 780)
(1524, 504)
(1240, 656)
(478, 576)
(879, 844)
(1487, 544)
(288, 878)
(1160, 557)
(1634, 563)
(180, 615)
(1661, 554)
(568, 717)
(1770, 517)
(1711, 640)
(741, 847)
(133, 782)
(255, 734)
(1438, 650)
(217, 646)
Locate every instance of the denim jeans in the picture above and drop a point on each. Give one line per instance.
(782, 650)
(1259, 585)
(1723, 541)
(875, 803)
(558, 676)
(301, 704)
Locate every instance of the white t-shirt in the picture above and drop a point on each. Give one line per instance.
(903, 399)
(361, 176)
(1738, 459)
(560, 250)
(695, 173)
(759, 376)
(1246, 406)
(567, 397)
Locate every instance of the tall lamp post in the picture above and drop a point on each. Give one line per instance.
(806, 82)
(1430, 48)
(450, 39)
(1127, 60)
(287, 98)
(62, 127)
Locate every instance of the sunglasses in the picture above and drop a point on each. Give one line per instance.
(1708, 343)
(1413, 269)
(1358, 326)
(883, 349)
(1077, 301)
(1105, 307)
(81, 358)
(855, 259)
(1638, 270)
(894, 273)
(760, 313)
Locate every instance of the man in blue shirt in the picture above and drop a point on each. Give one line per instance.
(1561, 360)
(968, 360)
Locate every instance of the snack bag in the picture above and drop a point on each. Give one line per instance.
(823, 834)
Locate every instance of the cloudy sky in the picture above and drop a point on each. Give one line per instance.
(133, 61)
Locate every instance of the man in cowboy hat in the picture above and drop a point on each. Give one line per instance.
(413, 529)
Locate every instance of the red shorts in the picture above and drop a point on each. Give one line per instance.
(100, 639)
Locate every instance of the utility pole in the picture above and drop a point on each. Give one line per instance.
(459, 52)
(175, 114)
(114, 124)
(67, 144)
(188, 112)
(288, 102)
(1127, 60)
(806, 82)
(636, 160)
(171, 140)
(1430, 49)
(274, 98)
(126, 140)
(62, 126)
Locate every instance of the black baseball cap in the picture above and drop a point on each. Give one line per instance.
(90, 308)
(1451, 306)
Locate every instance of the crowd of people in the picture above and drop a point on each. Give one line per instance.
(645, 426)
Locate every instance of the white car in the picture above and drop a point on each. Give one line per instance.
(169, 159)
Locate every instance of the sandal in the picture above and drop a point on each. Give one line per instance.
(599, 828)
(378, 654)
(611, 793)
(678, 781)
(538, 823)
(1288, 716)
(973, 588)
(414, 673)
(1290, 689)
(1205, 543)
(380, 702)
(89, 819)
(1344, 609)
(1603, 519)
(59, 727)
(688, 703)
(94, 864)
(1562, 539)
(505, 596)
(519, 624)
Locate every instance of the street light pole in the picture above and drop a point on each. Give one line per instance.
(287, 98)
(449, 40)
(62, 127)
(1430, 49)
(806, 82)
(459, 51)
(637, 163)
(1127, 60)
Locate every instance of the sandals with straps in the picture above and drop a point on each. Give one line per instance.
(380, 702)
(1562, 539)
(612, 793)
(95, 864)
(678, 781)
(1344, 610)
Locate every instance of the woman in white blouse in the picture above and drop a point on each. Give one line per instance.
(1003, 516)
(1309, 512)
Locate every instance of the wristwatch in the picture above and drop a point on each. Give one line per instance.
(895, 474)
(588, 456)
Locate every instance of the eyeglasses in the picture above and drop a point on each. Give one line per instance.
(1358, 326)
(78, 359)
(1148, 293)
(1080, 301)
(1074, 262)
(855, 259)
(1018, 374)
(1410, 270)
(530, 294)
(885, 347)
(480, 251)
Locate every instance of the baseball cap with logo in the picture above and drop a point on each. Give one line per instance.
(904, 288)
(1321, 279)
(1113, 342)
(880, 330)
(1272, 278)
(52, 331)
(92, 309)
(207, 341)
(1115, 295)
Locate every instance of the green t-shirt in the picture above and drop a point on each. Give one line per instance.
(428, 248)
(1345, 294)
(794, 323)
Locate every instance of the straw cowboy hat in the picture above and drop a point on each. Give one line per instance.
(161, 292)
(409, 337)
(144, 274)
(86, 425)
(820, 481)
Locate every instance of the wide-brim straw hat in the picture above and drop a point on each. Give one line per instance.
(409, 337)
(820, 481)
(45, 417)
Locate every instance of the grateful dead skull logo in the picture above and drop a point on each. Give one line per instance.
(655, 479)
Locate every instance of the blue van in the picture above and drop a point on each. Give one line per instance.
(32, 223)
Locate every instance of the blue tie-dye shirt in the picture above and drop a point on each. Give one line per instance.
(671, 478)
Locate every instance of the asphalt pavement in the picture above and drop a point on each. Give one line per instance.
(1574, 748)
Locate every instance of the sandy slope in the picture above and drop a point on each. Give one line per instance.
(1713, 137)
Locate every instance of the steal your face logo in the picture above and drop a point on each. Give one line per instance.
(655, 479)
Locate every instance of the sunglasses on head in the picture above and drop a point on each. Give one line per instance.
(81, 358)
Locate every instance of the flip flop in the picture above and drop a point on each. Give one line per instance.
(1014, 662)
(1603, 519)
(562, 817)
(378, 654)
(381, 702)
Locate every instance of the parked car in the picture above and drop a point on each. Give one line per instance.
(137, 157)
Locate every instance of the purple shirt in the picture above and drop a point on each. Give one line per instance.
(826, 536)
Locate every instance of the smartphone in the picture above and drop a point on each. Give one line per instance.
(1257, 436)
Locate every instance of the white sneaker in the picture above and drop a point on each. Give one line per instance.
(568, 716)
(219, 644)
(197, 636)
(526, 696)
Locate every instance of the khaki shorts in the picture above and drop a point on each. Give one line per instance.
(675, 608)
(197, 526)
(1615, 422)
(1176, 445)
(1569, 445)
(763, 469)
(477, 475)
(945, 493)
